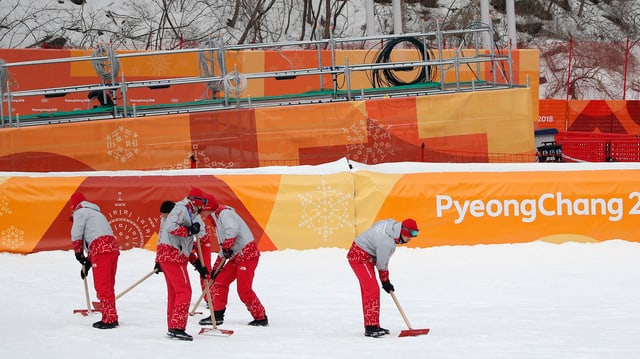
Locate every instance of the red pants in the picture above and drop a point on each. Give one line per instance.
(244, 272)
(179, 294)
(104, 267)
(363, 266)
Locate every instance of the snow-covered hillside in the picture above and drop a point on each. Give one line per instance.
(132, 24)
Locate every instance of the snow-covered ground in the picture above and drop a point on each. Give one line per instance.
(534, 300)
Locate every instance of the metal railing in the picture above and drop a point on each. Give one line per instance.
(433, 42)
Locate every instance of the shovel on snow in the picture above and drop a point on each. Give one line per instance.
(407, 332)
(86, 312)
(207, 285)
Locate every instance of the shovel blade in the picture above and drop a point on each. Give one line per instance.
(84, 312)
(413, 332)
(216, 332)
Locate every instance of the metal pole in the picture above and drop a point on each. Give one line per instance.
(439, 40)
(347, 75)
(624, 77)
(510, 64)
(370, 17)
(477, 46)
(9, 109)
(236, 77)
(425, 53)
(456, 65)
(511, 22)
(485, 19)
(112, 60)
(223, 71)
(2, 104)
(492, 53)
(397, 17)
(332, 46)
(123, 88)
(320, 62)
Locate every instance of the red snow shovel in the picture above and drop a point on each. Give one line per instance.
(407, 332)
(207, 285)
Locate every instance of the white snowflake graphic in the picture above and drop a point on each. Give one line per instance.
(4, 204)
(160, 65)
(122, 144)
(13, 238)
(358, 134)
(325, 210)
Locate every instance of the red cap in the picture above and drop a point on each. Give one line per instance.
(75, 200)
(212, 204)
(197, 197)
(409, 228)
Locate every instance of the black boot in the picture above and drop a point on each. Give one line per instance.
(179, 334)
(260, 322)
(103, 325)
(219, 315)
(374, 331)
(205, 321)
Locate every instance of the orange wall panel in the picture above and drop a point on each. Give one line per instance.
(328, 205)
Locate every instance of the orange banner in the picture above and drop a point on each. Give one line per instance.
(462, 208)
(327, 205)
(591, 116)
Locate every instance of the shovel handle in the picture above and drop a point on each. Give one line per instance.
(135, 284)
(404, 316)
(195, 306)
(86, 293)
(207, 286)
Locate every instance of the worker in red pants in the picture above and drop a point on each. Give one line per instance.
(239, 248)
(372, 249)
(174, 250)
(92, 231)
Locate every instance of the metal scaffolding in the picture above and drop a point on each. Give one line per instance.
(468, 52)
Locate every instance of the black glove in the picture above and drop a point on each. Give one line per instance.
(387, 286)
(81, 258)
(227, 253)
(194, 228)
(157, 268)
(201, 269)
(86, 266)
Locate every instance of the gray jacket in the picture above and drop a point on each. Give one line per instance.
(379, 241)
(230, 225)
(180, 216)
(89, 223)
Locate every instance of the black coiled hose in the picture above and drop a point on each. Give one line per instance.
(388, 77)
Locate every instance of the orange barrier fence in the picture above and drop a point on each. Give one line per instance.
(483, 126)
(327, 205)
(599, 147)
(597, 116)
